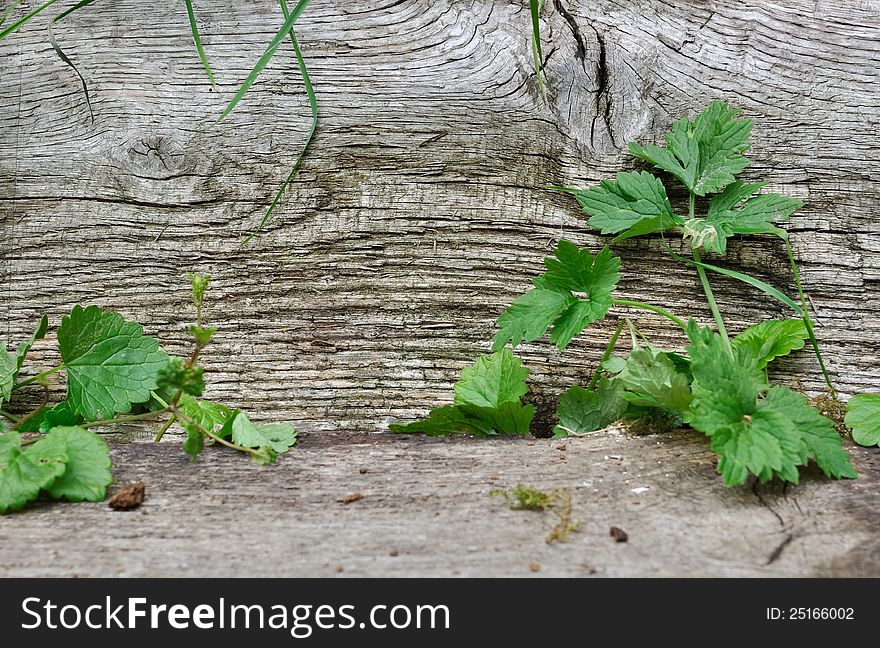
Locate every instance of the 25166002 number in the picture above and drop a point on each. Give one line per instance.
(810, 614)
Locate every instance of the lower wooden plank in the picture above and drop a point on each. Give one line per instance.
(426, 511)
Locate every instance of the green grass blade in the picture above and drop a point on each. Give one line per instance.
(63, 56)
(266, 57)
(755, 283)
(198, 41)
(313, 104)
(537, 52)
(808, 323)
(25, 19)
(8, 10)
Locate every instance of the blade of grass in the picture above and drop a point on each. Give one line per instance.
(313, 104)
(537, 52)
(266, 57)
(808, 323)
(63, 56)
(25, 19)
(756, 283)
(198, 41)
(773, 292)
(8, 10)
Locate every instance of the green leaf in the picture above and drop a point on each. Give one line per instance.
(8, 371)
(581, 411)
(110, 363)
(88, 464)
(632, 205)
(727, 216)
(510, 417)
(25, 347)
(279, 437)
(575, 291)
(202, 414)
(529, 317)
(772, 339)
(176, 376)
(706, 153)
(492, 380)
(487, 401)
(651, 379)
(863, 416)
(49, 417)
(763, 436)
(449, 419)
(22, 475)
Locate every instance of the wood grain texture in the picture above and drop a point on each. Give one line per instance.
(421, 211)
(427, 511)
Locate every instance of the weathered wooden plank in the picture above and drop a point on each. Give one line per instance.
(420, 212)
(426, 511)
(421, 209)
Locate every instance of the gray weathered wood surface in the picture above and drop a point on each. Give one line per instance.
(427, 511)
(419, 213)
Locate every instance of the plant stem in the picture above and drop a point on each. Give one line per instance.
(707, 289)
(165, 428)
(606, 355)
(146, 416)
(8, 416)
(808, 323)
(218, 439)
(38, 377)
(649, 307)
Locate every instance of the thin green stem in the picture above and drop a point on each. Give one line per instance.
(129, 418)
(808, 323)
(704, 280)
(218, 439)
(8, 416)
(165, 428)
(713, 306)
(38, 377)
(654, 309)
(605, 356)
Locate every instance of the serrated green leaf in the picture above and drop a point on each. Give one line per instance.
(449, 419)
(529, 317)
(487, 401)
(202, 415)
(177, 375)
(651, 379)
(278, 437)
(766, 436)
(22, 475)
(634, 204)
(863, 416)
(110, 363)
(770, 340)
(575, 291)
(25, 347)
(88, 464)
(507, 418)
(733, 195)
(706, 153)
(581, 411)
(755, 216)
(492, 380)
(8, 371)
(48, 417)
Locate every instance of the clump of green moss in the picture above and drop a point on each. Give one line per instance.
(526, 498)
